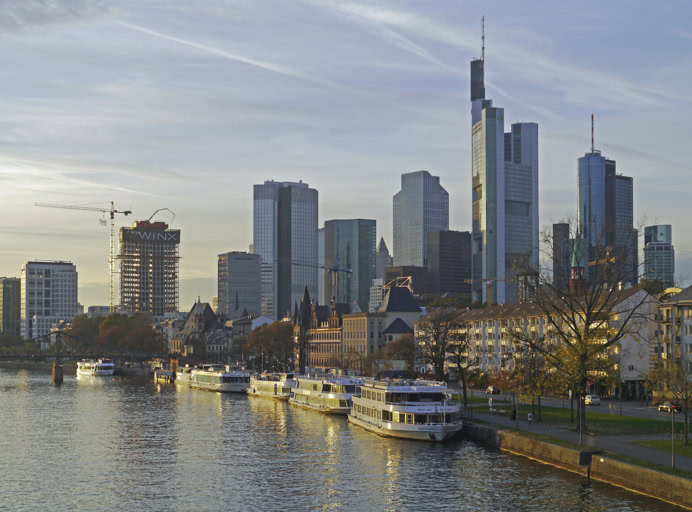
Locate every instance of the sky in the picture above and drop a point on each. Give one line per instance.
(185, 105)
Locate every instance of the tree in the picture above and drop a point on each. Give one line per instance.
(677, 380)
(433, 339)
(272, 345)
(531, 374)
(585, 319)
(460, 356)
(402, 349)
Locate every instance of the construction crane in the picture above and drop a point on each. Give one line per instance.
(333, 271)
(111, 256)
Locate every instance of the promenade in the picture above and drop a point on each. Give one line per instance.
(620, 444)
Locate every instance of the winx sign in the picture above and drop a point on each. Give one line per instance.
(143, 235)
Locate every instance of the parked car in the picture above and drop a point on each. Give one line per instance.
(592, 400)
(667, 407)
(492, 390)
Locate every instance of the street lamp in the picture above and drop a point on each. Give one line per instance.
(672, 435)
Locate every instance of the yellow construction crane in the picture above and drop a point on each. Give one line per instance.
(112, 211)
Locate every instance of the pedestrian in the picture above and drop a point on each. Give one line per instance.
(514, 414)
(530, 418)
(490, 405)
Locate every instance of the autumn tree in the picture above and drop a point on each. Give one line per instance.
(433, 339)
(585, 302)
(461, 357)
(402, 349)
(272, 345)
(676, 379)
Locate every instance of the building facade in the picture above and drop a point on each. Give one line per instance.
(449, 262)
(504, 197)
(285, 235)
(420, 280)
(350, 245)
(561, 255)
(48, 296)
(10, 306)
(421, 206)
(659, 254)
(149, 269)
(320, 262)
(239, 280)
(376, 295)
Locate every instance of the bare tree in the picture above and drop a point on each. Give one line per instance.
(587, 304)
(433, 339)
(461, 356)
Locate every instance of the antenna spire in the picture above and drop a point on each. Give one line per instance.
(592, 146)
(483, 38)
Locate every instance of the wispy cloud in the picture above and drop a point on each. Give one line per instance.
(17, 15)
(262, 64)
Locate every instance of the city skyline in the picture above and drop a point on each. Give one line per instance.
(219, 110)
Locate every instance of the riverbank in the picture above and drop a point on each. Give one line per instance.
(593, 463)
(70, 367)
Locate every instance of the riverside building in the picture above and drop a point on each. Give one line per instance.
(149, 269)
(48, 296)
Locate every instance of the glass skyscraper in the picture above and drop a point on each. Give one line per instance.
(504, 197)
(239, 284)
(659, 254)
(421, 206)
(350, 244)
(285, 236)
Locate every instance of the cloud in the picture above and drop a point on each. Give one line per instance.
(269, 66)
(18, 15)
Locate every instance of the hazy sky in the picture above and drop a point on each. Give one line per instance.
(185, 104)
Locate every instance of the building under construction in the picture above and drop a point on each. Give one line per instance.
(149, 268)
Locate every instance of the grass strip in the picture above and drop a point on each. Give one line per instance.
(664, 446)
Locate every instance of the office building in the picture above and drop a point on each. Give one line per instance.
(149, 269)
(383, 259)
(449, 263)
(350, 245)
(376, 295)
(421, 206)
(606, 214)
(10, 305)
(238, 284)
(48, 296)
(561, 255)
(285, 236)
(420, 280)
(320, 262)
(504, 197)
(659, 254)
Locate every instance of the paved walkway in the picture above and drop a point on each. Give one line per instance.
(616, 444)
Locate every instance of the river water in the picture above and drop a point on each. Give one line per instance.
(124, 443)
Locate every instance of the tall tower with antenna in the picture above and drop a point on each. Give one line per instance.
(504, 195)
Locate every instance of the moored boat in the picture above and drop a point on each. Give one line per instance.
(100, 367)
(326, 394)
(272, 385)
(409, 409)
(213, 378)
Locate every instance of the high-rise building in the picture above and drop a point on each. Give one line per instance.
(606, 213)
(376, 295)
(421, 206)
(285, 236)
(350, 245)
(561, 256)
(149, 269)
(321, 295)
(504, 197)
(238, 284)
(659, 254)
(10, 305)
(48, 296)
(449, 262)
(383, 259)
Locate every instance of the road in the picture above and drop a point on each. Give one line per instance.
(626, 408)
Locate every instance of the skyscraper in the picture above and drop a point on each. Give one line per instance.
(149, 269)
(659, 254)
(504, 197)
(285, 236)
(350, 244)
(49, 295)
(421, 206)
(10, 305)
(320, 261)
(605, 216)
(238, 284)
(449, 262)
(561, 255)
(383, 260)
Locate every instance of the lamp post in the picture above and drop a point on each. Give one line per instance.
(672, 436)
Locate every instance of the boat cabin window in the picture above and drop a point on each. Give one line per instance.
(327, 388)
(350, 388)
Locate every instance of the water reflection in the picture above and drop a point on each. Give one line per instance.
(126, 443)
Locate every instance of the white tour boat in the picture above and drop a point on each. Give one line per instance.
(328, 394)
(272, 385)
(409, 409)
(213, 378)
(95, 367)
